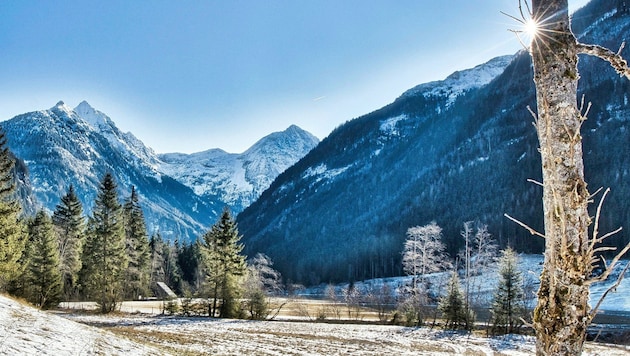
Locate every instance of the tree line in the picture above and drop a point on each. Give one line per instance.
(104, 257)
(108, 257)
(425, 254)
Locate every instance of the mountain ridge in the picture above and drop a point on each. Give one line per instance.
(62, 146)
(239, 178)
(341, 212)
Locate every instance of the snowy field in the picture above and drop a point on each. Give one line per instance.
(241, 337)
(27, 331)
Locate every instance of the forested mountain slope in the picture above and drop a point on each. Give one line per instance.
(451, 151)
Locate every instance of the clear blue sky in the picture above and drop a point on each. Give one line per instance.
(186, 76)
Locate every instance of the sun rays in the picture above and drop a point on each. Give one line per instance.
(531, 27)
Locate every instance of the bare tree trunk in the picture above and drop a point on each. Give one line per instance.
(562, 314)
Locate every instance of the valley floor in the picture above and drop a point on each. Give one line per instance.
(27, 331)
(205, 336)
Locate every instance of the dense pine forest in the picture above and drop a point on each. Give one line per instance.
(108, 257)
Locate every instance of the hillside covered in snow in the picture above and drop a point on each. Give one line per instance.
(181, 195)
(25, 330)
(28, 331)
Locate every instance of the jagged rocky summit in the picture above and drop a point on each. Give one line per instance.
(62, 146)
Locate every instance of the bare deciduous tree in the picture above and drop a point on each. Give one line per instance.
(480, 252)
(563, 313)
(424, 252)
(266, 277)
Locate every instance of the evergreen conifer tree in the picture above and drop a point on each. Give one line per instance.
(156, 246)
(452, 305)
(12, 230)
(223, 265)
(137, 245)
(188, 257)
(173, 271)
(70, 225)
(43, 276)
(508, 306)
(164, 263)
(104, 255)
(211, 270)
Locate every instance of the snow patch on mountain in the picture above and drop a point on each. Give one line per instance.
(322, 172)
(388, 127)
(461, 81)
(208, 171)
(598, 22)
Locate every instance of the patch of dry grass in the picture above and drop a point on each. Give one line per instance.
(163, 340)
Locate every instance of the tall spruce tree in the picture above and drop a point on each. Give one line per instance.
(158, 272)
(104, 255)
(12, 229)
(173, 271)
(211, 269)
(43, 277)
(508, 305)
(70, 225)
(224, 264)
(452, 305)
(137, 244)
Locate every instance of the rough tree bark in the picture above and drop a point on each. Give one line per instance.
(562, 314)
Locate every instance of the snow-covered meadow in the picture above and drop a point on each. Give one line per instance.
(140, 331)
(27, 331)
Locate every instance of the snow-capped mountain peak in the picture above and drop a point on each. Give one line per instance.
(63, 147)
(239, 178)
(126, 142)
(293, 138)
(93, 117)
(182, 193)
(61, 107)
(462, 81)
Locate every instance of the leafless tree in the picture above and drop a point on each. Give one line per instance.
(480, 252)
(262, 281)
(424, 252)
(331, 295)
(563, 313)
(268, 279)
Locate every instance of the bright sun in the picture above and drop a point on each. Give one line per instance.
(531, 28)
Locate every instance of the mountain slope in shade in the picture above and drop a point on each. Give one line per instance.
(451, 151)
(239, 179)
